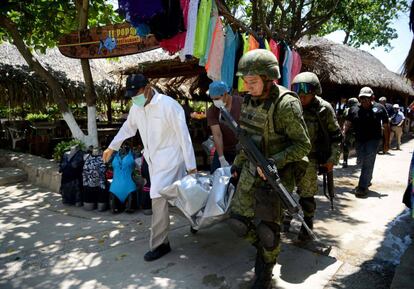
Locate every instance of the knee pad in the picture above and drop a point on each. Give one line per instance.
(239, 225)
(308, 204)
(269, 235)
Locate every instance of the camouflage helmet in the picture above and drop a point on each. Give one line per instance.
(259, 62)
(311, 78)
(352, 101)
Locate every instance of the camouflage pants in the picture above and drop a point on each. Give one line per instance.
(256, 203)
(308, 187)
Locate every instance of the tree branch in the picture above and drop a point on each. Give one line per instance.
(34, 64)
(233, 21)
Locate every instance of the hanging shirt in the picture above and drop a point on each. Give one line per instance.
(212, 25)
(138, 11)
(191, 30)
(94, 172)
(169, 22)
(227, 67)
(168, 149)
(176, 43)
(215, 59)
(203, 20)
(245, 40)
(275, 48)
(122, 183)
(296, 64)
(287, 67)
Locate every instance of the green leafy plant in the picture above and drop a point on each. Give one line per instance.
(65, 146)
(37, 117)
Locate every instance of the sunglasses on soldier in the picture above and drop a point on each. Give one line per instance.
(303, 88)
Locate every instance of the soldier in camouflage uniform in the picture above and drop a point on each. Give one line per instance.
(325, 136)
(272, 116)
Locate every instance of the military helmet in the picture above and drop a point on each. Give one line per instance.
(259, 62)
(352, 101)
(310, 78)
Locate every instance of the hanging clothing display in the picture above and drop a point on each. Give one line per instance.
(71, 167)
(296, 64)
(287, 67)
(215, 58)
(93, 179)
(203, 20)
(211, 27)
(191, 30)
(139, 11)
(249, 43)
(122, 183)
(169, 22)
(229, 58)
(275, 48)
(176, 43)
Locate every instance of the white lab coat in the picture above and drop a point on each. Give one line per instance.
(167, 143)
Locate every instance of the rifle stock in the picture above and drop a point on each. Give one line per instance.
(269, 170)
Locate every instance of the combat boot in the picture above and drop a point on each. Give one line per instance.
(303, 234)
(263, 275)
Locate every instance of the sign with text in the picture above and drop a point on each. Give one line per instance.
(107, 41)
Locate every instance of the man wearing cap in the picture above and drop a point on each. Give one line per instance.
(366, 121)
(397, 121)
(168, 150)
(225, 140)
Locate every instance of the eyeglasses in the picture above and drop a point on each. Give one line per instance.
(305, 88)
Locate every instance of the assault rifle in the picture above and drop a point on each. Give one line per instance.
(269, 169)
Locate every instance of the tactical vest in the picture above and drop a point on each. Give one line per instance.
(258, 121)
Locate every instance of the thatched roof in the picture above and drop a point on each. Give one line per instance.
(350, 68)
(409, 61)
(20, 85)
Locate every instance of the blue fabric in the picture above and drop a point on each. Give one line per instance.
(229, 57)
(139, 10)
(367, 153)
(122, 184)
(217, 88)
(287, 67)
(142, 29)
(397, 118)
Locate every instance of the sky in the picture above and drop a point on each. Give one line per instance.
(394, 59)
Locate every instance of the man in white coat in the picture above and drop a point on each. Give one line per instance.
(167, 149)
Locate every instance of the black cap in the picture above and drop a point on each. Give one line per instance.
(135, 82)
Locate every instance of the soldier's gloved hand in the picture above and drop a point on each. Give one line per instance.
(223, 162)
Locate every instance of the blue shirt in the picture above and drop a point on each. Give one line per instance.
(397, 118)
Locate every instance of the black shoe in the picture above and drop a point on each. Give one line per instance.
(361, 192)
(303, 233)
(158, 252)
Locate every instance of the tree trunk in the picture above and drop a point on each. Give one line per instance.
(54, 85)
(347, 34)
(92, 137)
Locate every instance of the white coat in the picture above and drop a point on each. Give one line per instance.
(168, 149)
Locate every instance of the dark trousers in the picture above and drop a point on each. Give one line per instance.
(367, 153)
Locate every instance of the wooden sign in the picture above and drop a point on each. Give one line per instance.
(107, 41)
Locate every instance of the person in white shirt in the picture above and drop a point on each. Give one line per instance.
(168, 150)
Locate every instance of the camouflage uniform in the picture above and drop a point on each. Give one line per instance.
(320, 120)
(277, 127)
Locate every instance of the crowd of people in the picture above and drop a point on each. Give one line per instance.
(295, 130)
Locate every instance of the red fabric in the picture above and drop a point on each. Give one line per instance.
(296, 65)
(177, 42)
(275, 48)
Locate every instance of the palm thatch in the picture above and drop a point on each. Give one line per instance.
(344, 70)
(18, 84)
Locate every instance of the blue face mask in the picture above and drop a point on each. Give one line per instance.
(139, 100)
